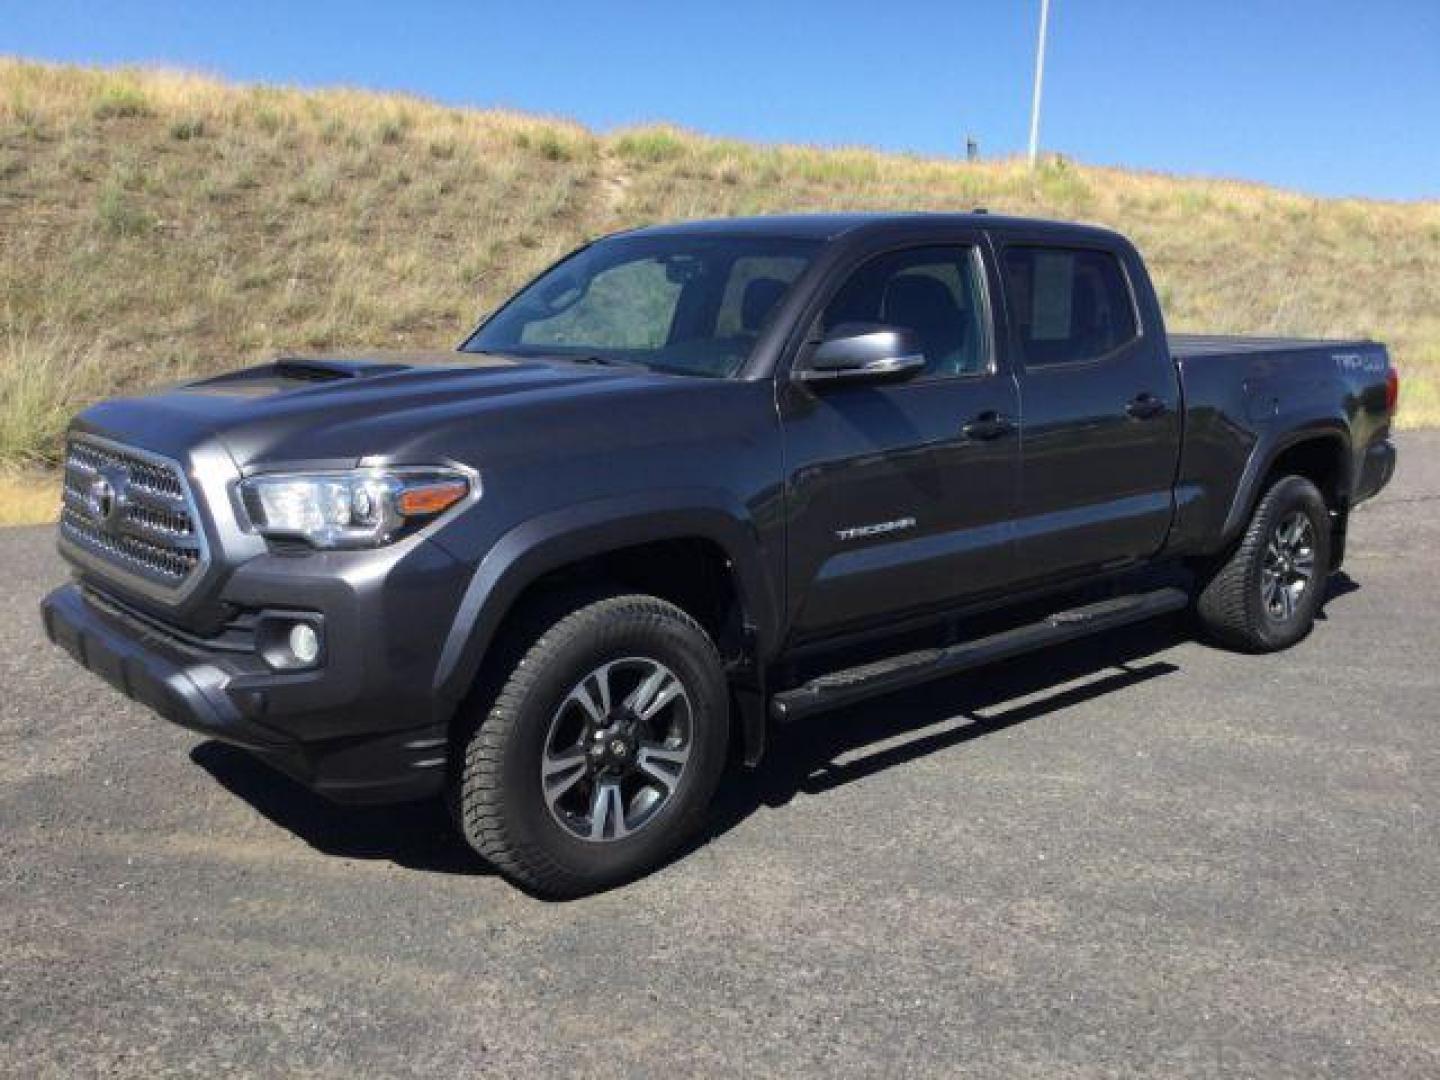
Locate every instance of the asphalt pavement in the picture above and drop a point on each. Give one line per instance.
(1133, 856)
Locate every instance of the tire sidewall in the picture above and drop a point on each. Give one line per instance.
(1291, 494)
(603, 637)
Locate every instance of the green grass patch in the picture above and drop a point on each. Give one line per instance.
(650, 146)
(120, 102)
(190, 127)
(118, 214)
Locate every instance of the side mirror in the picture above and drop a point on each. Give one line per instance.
(864, 352)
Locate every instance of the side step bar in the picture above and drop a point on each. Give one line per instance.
(837, 688)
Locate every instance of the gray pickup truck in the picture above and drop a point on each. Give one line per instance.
(693, 481)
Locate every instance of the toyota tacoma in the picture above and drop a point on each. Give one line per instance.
(693, 481)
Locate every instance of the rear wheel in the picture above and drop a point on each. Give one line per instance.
(600, 752)
(1264, 596)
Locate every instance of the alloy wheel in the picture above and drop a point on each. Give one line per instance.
(1288, 570)
(616, 749)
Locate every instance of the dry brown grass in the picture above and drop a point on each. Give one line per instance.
(154, 225)
(29, 497)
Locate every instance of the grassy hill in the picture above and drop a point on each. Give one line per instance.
(154, 225)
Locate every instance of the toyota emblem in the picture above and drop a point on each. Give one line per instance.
(103, 500)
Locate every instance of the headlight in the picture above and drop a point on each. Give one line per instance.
(356, 509)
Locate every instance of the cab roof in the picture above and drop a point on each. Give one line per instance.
(833, 226)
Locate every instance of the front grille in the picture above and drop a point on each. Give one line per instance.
(132, 513)
(145, 474)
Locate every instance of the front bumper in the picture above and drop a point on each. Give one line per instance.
(326, 728)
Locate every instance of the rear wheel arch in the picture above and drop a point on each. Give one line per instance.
(1323, 459)
(1321, 454)
(1285, 546)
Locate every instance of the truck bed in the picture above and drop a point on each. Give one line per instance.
(1186, 346)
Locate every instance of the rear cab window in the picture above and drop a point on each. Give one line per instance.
(1067, 305)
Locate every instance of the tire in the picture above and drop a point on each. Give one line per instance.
(544, 714)
(1239, 604)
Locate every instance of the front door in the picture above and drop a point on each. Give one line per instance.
(900, 496)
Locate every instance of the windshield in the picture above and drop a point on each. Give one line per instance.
(687, 305)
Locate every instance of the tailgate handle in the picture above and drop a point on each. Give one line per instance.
(988, 425)
(1145, 406)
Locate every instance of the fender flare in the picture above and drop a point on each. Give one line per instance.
(557, 538)
(1263, 457)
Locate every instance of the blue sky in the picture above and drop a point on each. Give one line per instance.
(1323, 96)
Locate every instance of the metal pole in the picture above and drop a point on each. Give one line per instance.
(1039, 84)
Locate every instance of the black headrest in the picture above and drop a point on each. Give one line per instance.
(759, 297)
(1085, 306)
(917, 301)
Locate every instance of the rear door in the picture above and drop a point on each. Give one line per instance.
(1101, 402)
(894, 506)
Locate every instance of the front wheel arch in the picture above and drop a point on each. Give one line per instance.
(544, 546)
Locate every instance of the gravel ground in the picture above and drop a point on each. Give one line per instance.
(1132, 856)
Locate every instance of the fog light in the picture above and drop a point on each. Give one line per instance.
(304, 643)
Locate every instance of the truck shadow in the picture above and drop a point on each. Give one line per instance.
(807, 758)
(826, 752)
(415, 835)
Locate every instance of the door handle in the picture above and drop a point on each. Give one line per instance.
(988, 425)
(1145, 406)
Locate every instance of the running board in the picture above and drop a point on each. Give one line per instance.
(837, 688)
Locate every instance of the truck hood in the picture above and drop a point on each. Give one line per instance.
(337, 410)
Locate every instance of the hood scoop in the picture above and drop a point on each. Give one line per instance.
(316, 369)
(291, 373)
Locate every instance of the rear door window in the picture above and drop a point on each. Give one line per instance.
(1068, 305)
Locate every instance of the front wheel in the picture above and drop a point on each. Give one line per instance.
(1265, 594)
(601, 750)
